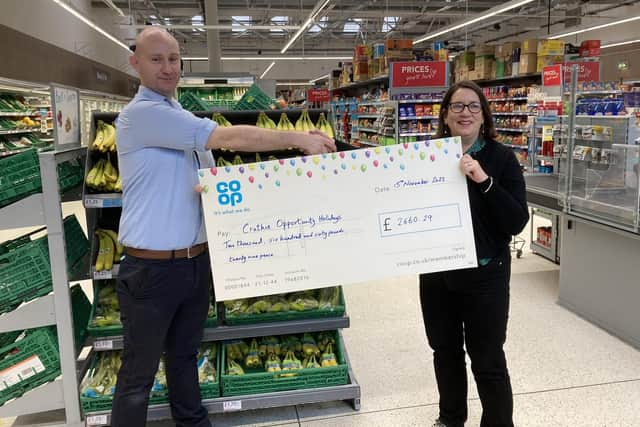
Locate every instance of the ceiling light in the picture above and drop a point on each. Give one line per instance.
(112, 5)
(219, 27)
(604, 46)
(314, 13)
(326, 76)
(597, 27)
(91, 24)
(271, 58)
(481, 17)
(267, 70)
(153, 17)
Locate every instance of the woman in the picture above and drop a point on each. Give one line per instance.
(470, 307)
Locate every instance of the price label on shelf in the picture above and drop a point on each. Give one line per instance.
(91, 202)
(97, 420)
(103, 275)
(232, 405)
(112, 203)
(103, 345)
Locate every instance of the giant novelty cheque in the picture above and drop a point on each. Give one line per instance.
(334, 219)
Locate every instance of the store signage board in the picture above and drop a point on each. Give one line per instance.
(419, 74)
(552, 75)
(587, 71)
(341, 218)
(65, 107)
(318, 95)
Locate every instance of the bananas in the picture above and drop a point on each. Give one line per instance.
(104, 176)
(265, 122)
(221, 121)
(324, 126)
(110, 250)
(105, 140)
(284, 123)
(304, 123)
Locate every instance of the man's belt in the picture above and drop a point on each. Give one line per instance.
(191, 252)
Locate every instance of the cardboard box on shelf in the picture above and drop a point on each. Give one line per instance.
(507, 48)
(360, 71)
(529, 46)
(499, 51)
(483, 66)
(483, 50)
(545, 61)
(550, 47)
(528, 63)
(467, 58)
(398, 44)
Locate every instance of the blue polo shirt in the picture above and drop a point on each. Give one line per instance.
(160, 148)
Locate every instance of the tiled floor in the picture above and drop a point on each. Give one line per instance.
(564, 370)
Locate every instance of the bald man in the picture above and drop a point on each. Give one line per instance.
(163, 285)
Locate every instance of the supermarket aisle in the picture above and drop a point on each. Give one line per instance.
(565, 371)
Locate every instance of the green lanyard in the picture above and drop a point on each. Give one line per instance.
(477, 146)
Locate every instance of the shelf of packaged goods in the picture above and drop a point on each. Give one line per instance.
(221, 333)
(359, 129)
(19, 114)
(348, 392)
(372, 103)
(545, 158)
(512, 129)
(514, 113)
(418, 117)
(17, 131)
(111, 200)
(521, 147)
(597, 92)
(419, 101)
(377, 80)
(365, 115)
(514, 98)
(507, 78)
(417, 134)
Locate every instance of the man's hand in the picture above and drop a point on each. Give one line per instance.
(471, 168)
(316, 142)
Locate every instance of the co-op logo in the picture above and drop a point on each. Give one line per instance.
(229, 193)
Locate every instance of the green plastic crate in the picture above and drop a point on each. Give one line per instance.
(257, 381)
(81, 307)
(283, 316)
(40, 349)
(116, 330)
(207, 391)
(254, 99)
(8, 338)
(25, 271)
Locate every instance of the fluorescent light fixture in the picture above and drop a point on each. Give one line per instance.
(597, 27)
(91, 24)
(267, 70)
(481, 17)
(326, 76)
(271, 58)
(153, 17)
(230, 27)
(604, 46)
(112, 5)
(314, 13)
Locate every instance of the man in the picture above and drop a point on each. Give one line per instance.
(163, 287)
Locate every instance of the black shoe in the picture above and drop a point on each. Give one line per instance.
(439, 423)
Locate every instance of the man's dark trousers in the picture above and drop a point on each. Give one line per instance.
(163, 307)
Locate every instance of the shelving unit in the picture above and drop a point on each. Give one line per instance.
(108, 205)
(51, 309)
(546, 240)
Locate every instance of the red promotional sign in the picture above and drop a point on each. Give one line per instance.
(552, 75)
(419, 74)
(318, 95)
(587, 71)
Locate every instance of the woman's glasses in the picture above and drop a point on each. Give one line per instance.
(458, 107)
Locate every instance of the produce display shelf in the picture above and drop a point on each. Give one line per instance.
(10, 152)
(109, 200)
(16, 131)
(374, 81)
(417, 117)
(105, 274)
(220, 333)
(512, 129)
(419, 101)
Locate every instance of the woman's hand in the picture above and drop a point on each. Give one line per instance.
(471, 168)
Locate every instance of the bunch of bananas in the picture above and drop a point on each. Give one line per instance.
(221, 120)
(325, 299)
(304, 123)
(105, 139)
(25, 123)
(110, 250)
(324, 126)
(284, 123)
(104, 177)
(107, 311)
(265, 122)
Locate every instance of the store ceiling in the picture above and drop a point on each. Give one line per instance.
(347, 22)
